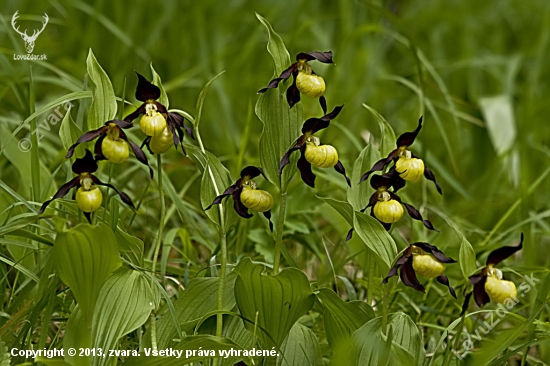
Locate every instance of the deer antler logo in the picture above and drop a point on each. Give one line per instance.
(29, 40)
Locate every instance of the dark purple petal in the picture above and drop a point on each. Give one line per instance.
(480, 295)
(474, 279)
(445, 281)
(393, 271)
(292, 94)
(88, 216)
(379, 165)
(286, 157)
(135, 114)
(87, 164)
(372, 201)
(430, 176)
(324, 57)
(146, 90)
(121, 124)
(340, 169)
(251, 172)
(140, 155)
(305, 170)
(414, 214)
(88, 136)
(500, 254)
(313, 125)
(123, 196)
(379, 181)
(228, 192)
(350, 234)
(408, 138)
(275, 82)
(438, 254)
(408, 276)
(267, 215)
(323, 103)
(238, 205)
(61, 192)
(98, 153)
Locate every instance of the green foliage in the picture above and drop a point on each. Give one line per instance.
(103, 107)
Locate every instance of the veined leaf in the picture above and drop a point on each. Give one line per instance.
(84, 257)
(377, 239)
(69, 132)
(343, 208)
(78, 334)
(499, 116)
(358, 195)
(281, 123)
(158, 82)
(277, 302)
(202, 97)
(387, 136)
(466, 255)
(301, 347)
(103, 107)
(123, 305)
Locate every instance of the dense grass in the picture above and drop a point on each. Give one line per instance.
(440, 59)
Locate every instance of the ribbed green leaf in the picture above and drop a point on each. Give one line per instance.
(282, 125)
(158, 82)
(387, 136)
(377, 239)
(498, 113)
(342, 318)
(123, 305)
(69, 132)
(466, 255)
(130, 247)
(343, 208)
(78, 334)
(199, 298)
(301, 347)
(358, 195)
(103, 107)
(276, 301)
(84, 257)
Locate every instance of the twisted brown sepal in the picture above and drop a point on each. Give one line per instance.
(86, 164)
(408, 275)
(466, 303)
(379, 165)
(284, 75)
(324, 57)
(65, 188)
(267, 215)
(445, 281)
(87, 137)
(500, 254)
(340, 169)
(407, 138)
(432, 249)
(480, 295)
(398, 264)
(123, 196)
(415, 214)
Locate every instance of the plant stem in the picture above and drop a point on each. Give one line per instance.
(221, 283)
(158, 242)
(280, 227)
(385, 307)
(35, 155)
(450, 347)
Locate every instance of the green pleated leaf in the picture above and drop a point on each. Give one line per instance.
(466, 254)
(69, 132)
(202, 97)
(403, 346)
(103, 107)
(130, 247)
(276, 301)
(387, 136)
(343, 208)
(203, 346)
(84, 257)
(123, 305)
(198, 299)
(377, 239)
(158, 82)
(78, 334)
(358, 194)
(498, 113)
(301, 347)
(282, 125)
(342, 318)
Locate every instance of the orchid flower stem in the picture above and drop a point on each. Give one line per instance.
(158, 242)
(279, 233)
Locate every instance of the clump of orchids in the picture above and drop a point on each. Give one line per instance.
(163, 129)
(489, 283)
(425, 260)
(247, 196)
(305, 79)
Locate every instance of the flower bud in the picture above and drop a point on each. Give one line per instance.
(499, 290)
(256, 199)
(389, 211)
(115, 151)
(427, 266)
(410, 169)
(162, 143)
(323, 156)
(310, 85)
(89, 200)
